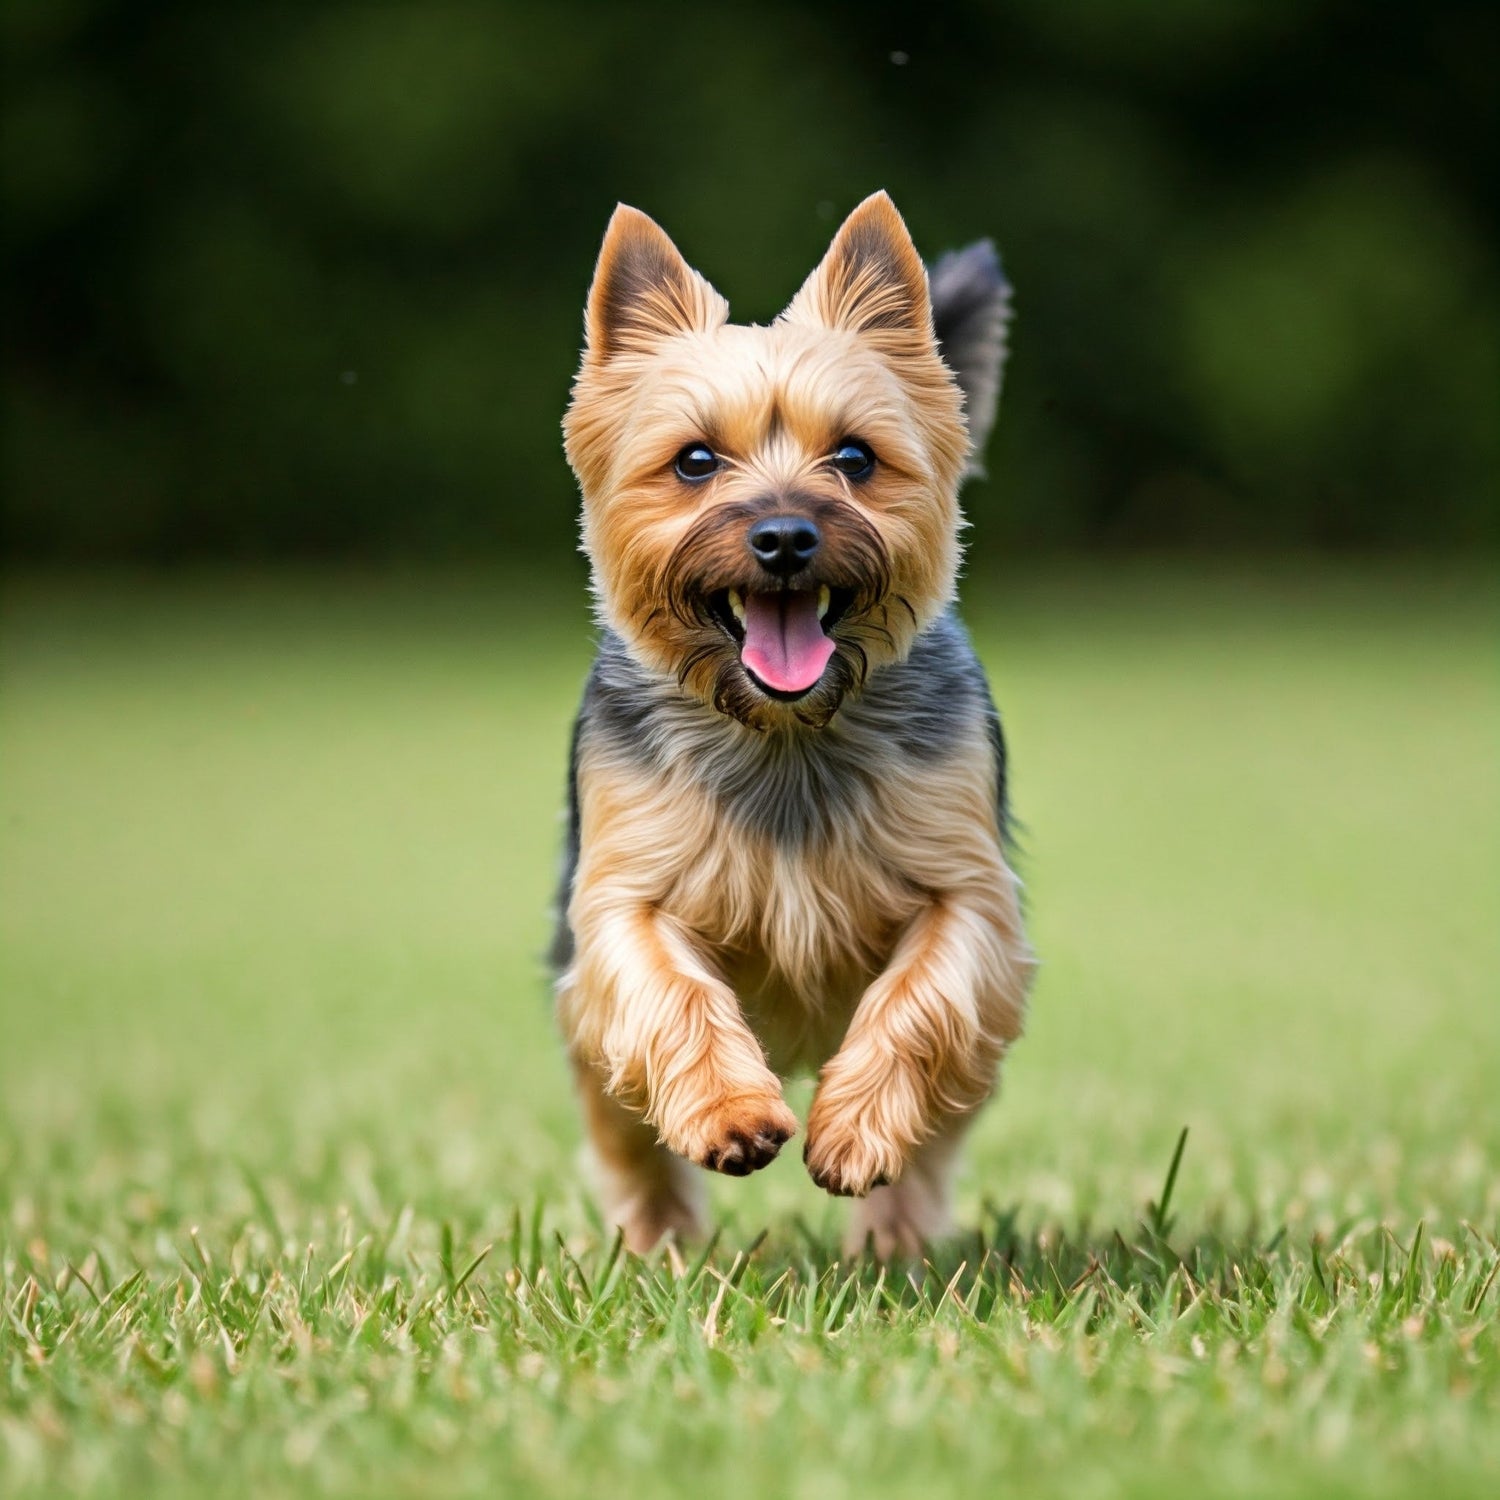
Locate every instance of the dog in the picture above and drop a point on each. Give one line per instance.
(788, 839)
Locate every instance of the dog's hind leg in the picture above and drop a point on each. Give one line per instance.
(644, 1189)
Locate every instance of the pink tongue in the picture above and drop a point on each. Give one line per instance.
(784, 642)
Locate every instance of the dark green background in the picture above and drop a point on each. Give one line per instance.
(307, 279)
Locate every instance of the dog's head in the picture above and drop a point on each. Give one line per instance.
(770, 513)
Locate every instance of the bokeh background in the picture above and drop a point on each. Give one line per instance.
(306, 280)
(293, 626)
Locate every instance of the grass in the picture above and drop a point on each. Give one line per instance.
(287, 1199)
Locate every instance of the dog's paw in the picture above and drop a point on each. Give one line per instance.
(738, 1137)
(847, 1166)
(854, 1142)
(655, 1213)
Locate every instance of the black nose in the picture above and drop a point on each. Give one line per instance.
(784, 544)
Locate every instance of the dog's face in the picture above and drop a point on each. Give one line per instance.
(769, 512)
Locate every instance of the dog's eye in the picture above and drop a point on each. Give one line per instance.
(696, 462)
(853, 459)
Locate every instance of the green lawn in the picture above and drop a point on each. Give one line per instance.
(277, 1069)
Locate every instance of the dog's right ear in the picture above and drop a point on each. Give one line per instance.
(971, 316)
(644, 290)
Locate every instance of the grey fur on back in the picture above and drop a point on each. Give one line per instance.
(971, 316)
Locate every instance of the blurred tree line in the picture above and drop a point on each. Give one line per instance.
(307, 279)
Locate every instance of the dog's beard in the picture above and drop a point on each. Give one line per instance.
(769, 651)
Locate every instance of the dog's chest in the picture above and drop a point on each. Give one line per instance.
(792, 863)
(802, 905)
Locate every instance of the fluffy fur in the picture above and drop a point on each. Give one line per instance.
(756, 882)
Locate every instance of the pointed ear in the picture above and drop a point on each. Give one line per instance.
(644, 290)
(871, 281)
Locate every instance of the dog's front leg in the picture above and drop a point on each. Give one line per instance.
(644, 1007)
(924, 1043)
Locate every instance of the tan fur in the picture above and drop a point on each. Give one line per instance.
(905, 1217)
(642, 1185)
(709, 959)
(773, 401)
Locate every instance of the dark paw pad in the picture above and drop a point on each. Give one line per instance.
(744, 1151)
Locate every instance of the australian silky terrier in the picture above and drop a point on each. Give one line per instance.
(788, 842)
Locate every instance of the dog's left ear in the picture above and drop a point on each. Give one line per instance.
(871, 281)
(644, 291)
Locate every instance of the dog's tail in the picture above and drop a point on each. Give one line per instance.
(971, 315)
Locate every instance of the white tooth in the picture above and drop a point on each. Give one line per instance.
(823, 598)
(737, 605)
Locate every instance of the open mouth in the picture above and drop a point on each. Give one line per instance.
(783, 635)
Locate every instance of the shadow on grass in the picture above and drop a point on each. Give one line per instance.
(536, 1284)
(1150, 1275)
(1147, 1278)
